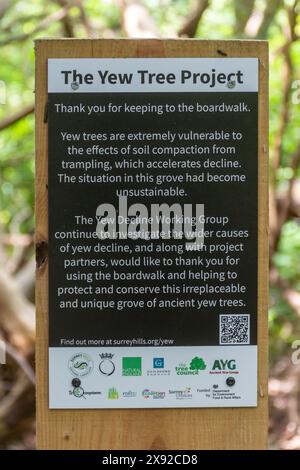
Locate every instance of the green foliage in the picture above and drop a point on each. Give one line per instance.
(287, 258)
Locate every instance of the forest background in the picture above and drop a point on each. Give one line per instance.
(22, 21)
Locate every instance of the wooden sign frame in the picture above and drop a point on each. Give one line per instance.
(156, 429)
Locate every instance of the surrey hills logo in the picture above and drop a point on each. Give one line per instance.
(80, 364)
(197, 364)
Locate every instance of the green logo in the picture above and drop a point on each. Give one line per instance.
(221, 364)
(196, 364)
(113, 393)
(132, 366)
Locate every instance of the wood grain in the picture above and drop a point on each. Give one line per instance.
(227, 428)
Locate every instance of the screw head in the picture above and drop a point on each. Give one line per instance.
(231, 83)
(76, 382)
(74, 85)
(230, 381)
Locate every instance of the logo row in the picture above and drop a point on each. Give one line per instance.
(81, 364)
(113, 394)
(179, 394)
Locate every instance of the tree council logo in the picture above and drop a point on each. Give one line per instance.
(197, 364)
(80, 364)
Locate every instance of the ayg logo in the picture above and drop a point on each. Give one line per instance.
(224, 364)
(80, 364)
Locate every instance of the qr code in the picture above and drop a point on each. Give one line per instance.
(234, 329)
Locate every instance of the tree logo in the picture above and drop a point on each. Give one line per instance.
(197, 364)
(192, 368)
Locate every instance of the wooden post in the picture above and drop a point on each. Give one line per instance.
(219, 428)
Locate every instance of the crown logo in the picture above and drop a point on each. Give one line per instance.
(106, 355)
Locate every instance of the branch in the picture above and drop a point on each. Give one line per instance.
(25, 277)
(48, 21)
(15, 161)
(22, 19)
(289, 294)
(189, 29)
(16, 407)
(269, 13)
(285, 208)
(21, 361)
(277, 215)
(287, 79)
(136, 20)
(17, 319)
(17, 253)
(18, 239)
(66, 21)
(85, 20)
(4, 6)
(10, 120)
(243, 11)
(275, 223)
